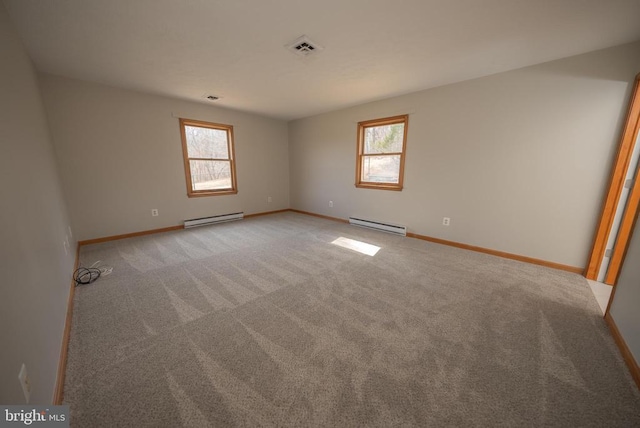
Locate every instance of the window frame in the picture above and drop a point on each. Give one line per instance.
(360, 155)
(187, 166)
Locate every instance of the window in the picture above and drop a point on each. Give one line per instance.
(209, 162)
(381, 150)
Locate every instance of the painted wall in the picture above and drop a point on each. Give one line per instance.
(120, 156)
(519, 160)
(625, 308)
(35, 271)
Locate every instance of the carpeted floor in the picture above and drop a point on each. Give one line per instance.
(265, 322)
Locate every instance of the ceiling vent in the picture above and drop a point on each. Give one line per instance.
(303, 46)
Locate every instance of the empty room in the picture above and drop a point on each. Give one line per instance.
(330, 214)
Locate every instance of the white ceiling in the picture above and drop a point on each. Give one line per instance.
(373, 48)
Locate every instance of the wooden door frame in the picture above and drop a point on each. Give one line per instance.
(618, 175)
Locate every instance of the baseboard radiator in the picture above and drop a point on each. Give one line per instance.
(377, 225)
(213, 220)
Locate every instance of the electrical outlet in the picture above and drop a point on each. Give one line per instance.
(446, 221)
(154, 212)
(24, 382)
(269, 200)
(330, 204)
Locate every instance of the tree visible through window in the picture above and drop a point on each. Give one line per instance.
(208, 158)
(381, 152)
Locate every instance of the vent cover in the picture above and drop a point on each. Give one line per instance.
(303, 46)
(396, 229)
(213, 219)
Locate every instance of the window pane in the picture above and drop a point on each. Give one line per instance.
(210, 175)
(206, 142)
(384, 139)
(381, 169)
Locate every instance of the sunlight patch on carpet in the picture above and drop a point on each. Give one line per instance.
(359, 246)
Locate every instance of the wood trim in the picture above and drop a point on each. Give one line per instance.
(326, 217)
(58, 393)
(631, 362)
(201, 193)
(230, 152)
(161, 230)
(404, 119)
(624, 234)
(266, 213)
(384, 121)
(502, 254)
(185, 155)
(368, 185)
(129, 235)
(232, 156)
(616, 183)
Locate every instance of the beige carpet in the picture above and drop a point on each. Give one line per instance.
(265, 322)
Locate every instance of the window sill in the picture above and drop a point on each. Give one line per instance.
(397, 188)
(211, 193)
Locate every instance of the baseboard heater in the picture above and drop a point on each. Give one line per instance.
(384, 227)
(213, 220)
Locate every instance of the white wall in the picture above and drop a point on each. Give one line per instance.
(120, 155)
(519, 160)
(625, 307)
(35, 272)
